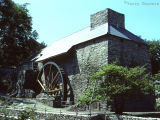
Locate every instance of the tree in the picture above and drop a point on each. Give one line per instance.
(155, 55)
(115, 83)
(17, 39)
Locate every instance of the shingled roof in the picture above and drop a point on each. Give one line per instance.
(96, 29)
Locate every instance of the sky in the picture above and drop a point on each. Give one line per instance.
(56, 19)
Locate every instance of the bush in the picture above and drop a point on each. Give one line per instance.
(28, 113)
(115, 83)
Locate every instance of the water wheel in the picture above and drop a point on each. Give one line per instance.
(52, 81)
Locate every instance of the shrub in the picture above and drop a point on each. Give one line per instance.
(115, 83)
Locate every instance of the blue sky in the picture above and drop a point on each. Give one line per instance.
(55, 19)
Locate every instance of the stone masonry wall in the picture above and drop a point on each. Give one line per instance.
(128, 53)
(90, 57)
(107, 16)
(131, 54)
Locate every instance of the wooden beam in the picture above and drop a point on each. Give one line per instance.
(55, 76)
(56, 90)
(44, 78)
(50, 86)
(50, 70)
(41, 85)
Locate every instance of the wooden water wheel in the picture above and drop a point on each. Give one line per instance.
(52, 81)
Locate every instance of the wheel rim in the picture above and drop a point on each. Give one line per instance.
(51, 80)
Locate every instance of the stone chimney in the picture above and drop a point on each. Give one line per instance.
(107, 16)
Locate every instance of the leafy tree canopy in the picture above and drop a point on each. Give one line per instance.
(17, 39)
(155, 55)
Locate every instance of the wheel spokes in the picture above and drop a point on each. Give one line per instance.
(41, 85)
(51, 80)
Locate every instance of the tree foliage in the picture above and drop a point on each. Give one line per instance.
(115, 83)
(17, 39)
(155, 55)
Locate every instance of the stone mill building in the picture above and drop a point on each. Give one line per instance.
(104, 41)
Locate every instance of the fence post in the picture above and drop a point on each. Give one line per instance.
(90, 109)
(45, 113)
(76, 113)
